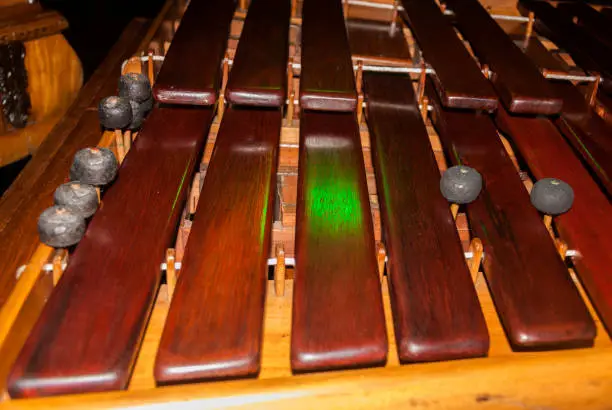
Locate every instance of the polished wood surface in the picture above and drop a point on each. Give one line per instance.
(588, 133)
(327, 81)
(214, 327)
(25, 22)
(338, 319)
(376, 41)
(458, 79)
(586, 50)
(191, 72)
(435, 308)
(541, 57)
(32, 191)
(259, 72)
(521, 263)
(587, 225)
(89, 332)
(519, 84)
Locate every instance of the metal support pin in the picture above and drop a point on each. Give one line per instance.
(529, 28)
(417, 69)
(393, 25)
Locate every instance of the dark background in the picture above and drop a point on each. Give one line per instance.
(94, 26)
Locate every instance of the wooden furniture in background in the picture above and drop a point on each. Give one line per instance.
(54, 74)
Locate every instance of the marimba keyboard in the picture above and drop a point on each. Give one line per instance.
(320, 136)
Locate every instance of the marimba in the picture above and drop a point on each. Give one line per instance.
(276, 234)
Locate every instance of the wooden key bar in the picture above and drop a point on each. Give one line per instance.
(540, 56)
(327, 81)
(593, 22)
(338, 319)
(519, 84)
(588, 133)
(375, 41)
(214, 326)
(458, 79)
(89, 332)
(587, 225)
(586, 50)
(191, 70)
(259, 73)
(537, 302)
(435, 308)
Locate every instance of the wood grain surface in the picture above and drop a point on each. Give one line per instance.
(338, 319)
(259, 73)
(373, 40)
(191, 72)
(435, 308)
(518, 82)
(541, 56)
(89, 332)
(214, 327)
(458, 79)
(327, 81)
(26, 22)
(587, 225)
(33, 189)
(588, 133)
(537, 302)
(588, 52)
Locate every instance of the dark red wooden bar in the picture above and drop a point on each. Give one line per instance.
(587, 225)
(90, 330)
(264, 44)
(518, 82)
(586, 50)
(535, 298)
(436, 312)
(458, 80)
(588, 133)
(374, 41)
(593, 22)
(338, 319)
(214, 326)
(191, 71)
(327, 81)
